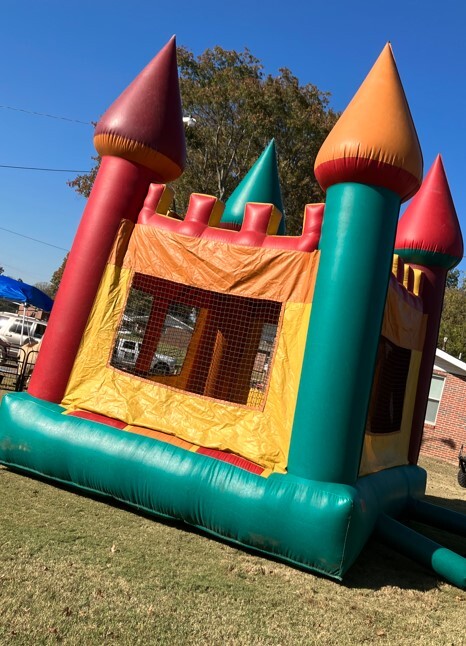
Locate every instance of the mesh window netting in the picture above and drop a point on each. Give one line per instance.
(197, 340)
(388, 391)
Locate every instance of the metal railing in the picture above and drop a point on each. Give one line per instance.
(16, 372)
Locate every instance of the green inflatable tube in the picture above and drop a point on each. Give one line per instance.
(318, 526)
(439, 517)
(447, 564)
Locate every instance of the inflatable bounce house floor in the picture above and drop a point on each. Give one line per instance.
(268, 389)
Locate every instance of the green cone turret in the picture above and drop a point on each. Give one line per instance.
(261, 184)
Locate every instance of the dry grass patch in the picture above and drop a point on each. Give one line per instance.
(76, 570)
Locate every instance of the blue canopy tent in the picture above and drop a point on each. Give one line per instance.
(19, 292)
(15, 290)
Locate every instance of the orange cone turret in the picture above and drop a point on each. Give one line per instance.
(374, 142)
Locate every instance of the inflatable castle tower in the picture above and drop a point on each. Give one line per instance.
(268, 389)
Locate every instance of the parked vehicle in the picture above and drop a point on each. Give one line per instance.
(462, 469)
(127, 351)
(15, 330)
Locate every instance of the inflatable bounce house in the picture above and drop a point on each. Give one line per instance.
(265, 388)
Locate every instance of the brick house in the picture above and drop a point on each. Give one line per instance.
(34, 312)
(445, 423)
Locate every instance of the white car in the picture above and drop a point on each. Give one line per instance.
(15, 330)
(126, 353)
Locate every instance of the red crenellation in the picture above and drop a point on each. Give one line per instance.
(202, 220)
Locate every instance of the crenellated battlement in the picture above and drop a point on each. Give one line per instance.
(259, 227)
(411, 278)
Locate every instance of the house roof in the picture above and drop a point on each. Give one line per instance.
(447, 363)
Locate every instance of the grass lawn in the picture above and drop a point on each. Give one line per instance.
(76, 570)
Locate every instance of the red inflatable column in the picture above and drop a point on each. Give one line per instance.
(433, 289)
(141, 140)
(429, 238)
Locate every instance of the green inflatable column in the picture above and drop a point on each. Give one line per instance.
(356, 256)
(364, 192)
(261, 184)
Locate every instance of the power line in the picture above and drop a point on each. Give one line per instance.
(45, 114)
(46, 170)
(21, 235)
(50, 116)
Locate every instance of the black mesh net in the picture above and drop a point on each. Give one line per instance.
(197, 340)
(388, 390)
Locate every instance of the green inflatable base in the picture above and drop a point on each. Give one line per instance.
(318, 526)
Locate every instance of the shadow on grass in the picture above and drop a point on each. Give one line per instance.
(456, 504)
(377, 566)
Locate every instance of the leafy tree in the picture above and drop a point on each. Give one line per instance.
(453, 323)
(238, 109)
(8, 306)
(453, 278)
(56, 278)
(83, 183)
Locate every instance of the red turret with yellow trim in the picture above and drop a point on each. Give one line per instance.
(141, 140)
(142, 128)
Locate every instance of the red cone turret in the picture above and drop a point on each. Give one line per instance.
(145, 123)
(429, 238)
(141, 140)
(429, 232)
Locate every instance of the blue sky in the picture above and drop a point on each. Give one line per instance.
(72, 59)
